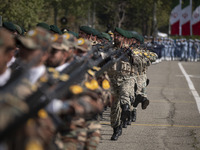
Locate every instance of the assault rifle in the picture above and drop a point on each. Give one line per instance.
(57, 89)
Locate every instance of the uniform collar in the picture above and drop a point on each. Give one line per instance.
(5, 77)
(60, 68)
(35, 73)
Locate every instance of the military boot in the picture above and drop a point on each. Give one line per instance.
(134, 114)
(116, 132)
(138, 99)
(124, 115)
(129, 118)
(120, 129)
(145, 103)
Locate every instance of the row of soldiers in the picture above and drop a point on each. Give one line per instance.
(178, 49)
(46, 106)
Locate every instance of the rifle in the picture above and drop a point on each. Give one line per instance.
(113, 59)
(78, 62)
(57, 89)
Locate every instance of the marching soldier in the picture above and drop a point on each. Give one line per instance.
(120, 77)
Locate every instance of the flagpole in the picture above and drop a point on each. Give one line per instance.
(191, 18)
(180, 29)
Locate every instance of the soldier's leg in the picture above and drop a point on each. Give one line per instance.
(139, 91)
(124, 94)
(132, 112)
(74, 140)
(141, 96)
(115, 114)
(145, 101)
(93, 135)
(73, 136)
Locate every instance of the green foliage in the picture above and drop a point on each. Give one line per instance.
(129, 14)
(23, 12)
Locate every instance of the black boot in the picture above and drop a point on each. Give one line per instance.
(124, 124)
(124, 115)
(120, 129)
(134, 114)
(145, 103)
(129, 118)
(116, 132)
(138, 99)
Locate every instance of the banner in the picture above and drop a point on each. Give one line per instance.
(196, 19)
(175, 17)
(186, 15)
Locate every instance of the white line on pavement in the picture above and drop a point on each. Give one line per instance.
(191, 86)
(191, 76)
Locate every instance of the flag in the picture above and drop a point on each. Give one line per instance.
(196, 18)
(186, 15)
(175, 17)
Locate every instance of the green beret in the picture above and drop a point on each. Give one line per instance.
(106, 36)
(18, 29)
(100, 36)
(140, 38)
(55, 29)
(73, 33)
(9, 26)
(43, 25)
(136, 36)
(95, 32)
(121, 31)
(129, 34)
(86, 29)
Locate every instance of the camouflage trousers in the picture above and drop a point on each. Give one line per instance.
(122, 88)
(37, 133)
(133, 81)
(85, 137)
(93, 135)
(141, 85)
(73, 138)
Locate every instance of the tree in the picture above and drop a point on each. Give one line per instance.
(23, 12)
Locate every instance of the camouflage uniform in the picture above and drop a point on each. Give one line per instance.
(40, 129)
(121, 83)
(141, 79)
(92, 121)
(81, 130)
(80, 133)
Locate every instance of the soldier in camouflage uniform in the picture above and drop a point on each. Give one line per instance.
(120, 82)
(144, 62)
(39, 130)
(77, 133)
(92, 123)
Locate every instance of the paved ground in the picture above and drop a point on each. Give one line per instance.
(172, 120)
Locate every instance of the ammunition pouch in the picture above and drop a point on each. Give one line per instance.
(122, 67)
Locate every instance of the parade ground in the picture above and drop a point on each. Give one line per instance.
(172, 120)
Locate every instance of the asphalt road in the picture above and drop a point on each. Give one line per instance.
(171, 121)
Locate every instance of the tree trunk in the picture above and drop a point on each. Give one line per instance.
(94, 15)
(154, 20)
(89, 17)
(121, 13)
(55, 15)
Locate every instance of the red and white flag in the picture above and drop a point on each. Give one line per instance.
(186, 15)
(175, 17)
(196, 21)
